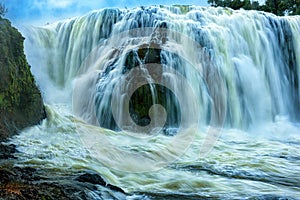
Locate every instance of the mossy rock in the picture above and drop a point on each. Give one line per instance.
(147, 55)
(21, 104)
(142, 99)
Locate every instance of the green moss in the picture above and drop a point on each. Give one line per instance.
(183, 8)
(228, 11)
(1, 99)
(21, 104)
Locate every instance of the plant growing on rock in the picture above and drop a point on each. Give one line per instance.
(3, 10)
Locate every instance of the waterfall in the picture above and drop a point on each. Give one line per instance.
(169, 102)
(151, 67)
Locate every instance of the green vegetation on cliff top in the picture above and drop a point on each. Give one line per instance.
(277, 7)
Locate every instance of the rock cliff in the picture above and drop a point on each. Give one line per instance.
(21, 103)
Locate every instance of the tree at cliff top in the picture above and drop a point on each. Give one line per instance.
(278, 7)
(3, 10)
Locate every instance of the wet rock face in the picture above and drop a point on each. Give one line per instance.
(144, 97)
(7, 151)
(96, 179)
(30, 183)
(141, 102)
(147, 95)
(21, 104)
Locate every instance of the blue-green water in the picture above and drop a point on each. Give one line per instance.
(234, 76)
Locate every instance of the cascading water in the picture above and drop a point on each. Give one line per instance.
(253, 57)
(156, 70)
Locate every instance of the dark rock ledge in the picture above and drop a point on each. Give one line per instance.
(31, 183)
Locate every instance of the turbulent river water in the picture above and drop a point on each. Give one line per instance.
(222, 90)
